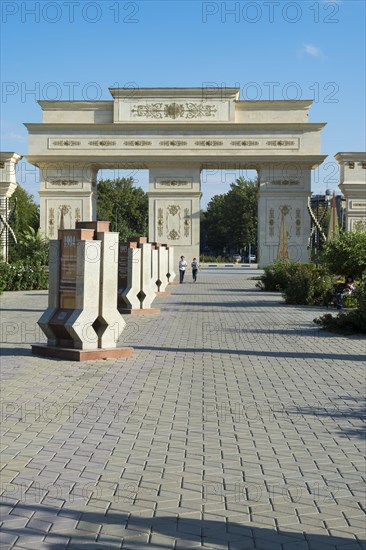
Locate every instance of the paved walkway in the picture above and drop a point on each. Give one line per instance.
(237, 424)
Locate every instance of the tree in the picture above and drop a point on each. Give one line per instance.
(124, 205)
(231, 219)
(25, 220)
(215, 224)
(346, 255)
(26, 211)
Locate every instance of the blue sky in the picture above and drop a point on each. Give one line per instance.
(318, 45)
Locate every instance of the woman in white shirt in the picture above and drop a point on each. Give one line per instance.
(182, 269)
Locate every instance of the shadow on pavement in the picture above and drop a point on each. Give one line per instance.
(135, 532)
(254, 353)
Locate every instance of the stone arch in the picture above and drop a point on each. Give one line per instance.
(175, 133)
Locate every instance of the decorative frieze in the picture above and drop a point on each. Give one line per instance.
(244, 143)
(174, 110)
(66, 143)
(63, 183)
(102, 143)
(208, 143)
(285, 182)
(280, 143)
(174, 183)
(357, 205)
(137, 143)
(173, 143)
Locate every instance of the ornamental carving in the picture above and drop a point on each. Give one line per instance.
(101, 143)
(208, 143)
(137, 143)
(51, 222)
(173, 143)
(298, 222)
(77, 215)
(66, 143)
(246, 143)
(280, 143)
(285, 182)
(173, 235)
(174, 110)
(174, 183)
(63, 183)
(173, 209)
(187, 222)
(160, 222)
(64, 209)
(271, 222)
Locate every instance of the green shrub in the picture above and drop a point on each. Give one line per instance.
(276, 276)
(308, 285)
(351, 322)
(216, 259)
(23, 275)
(346, 255)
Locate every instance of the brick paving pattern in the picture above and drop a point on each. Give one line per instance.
(237, 424)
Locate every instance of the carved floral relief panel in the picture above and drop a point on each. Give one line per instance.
(173, 219)
(292, 216)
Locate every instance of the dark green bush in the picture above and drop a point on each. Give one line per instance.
(300, 283)
(276, 276)
(308, 285)
(216, 259)
(350, 322)
(23, 275)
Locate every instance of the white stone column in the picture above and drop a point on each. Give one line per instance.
(174, 209)
(154, 266)
(353, 187)
(148, 286)
(8, 184)
(128, 299)
(110, 321)
(171, 264)
(284, 190)
(67, 195)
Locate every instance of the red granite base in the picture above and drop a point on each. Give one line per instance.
(163, 293)
(173, 283)
(151, 311)
(72, 354)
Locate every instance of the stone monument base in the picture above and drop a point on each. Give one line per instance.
(163, 293)
(151, 311)
(173, 283)
(71, 354)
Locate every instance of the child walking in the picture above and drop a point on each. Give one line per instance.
(195, 267)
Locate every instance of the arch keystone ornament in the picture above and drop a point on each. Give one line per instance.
(176, 133)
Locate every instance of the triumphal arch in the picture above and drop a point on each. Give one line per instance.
(175, 133)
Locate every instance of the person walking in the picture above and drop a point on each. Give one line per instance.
(195, 267)
(182, 269)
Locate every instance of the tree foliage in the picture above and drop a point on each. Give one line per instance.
(231, 218)
(124, 205)
(24, 221)
(346, 255)
(26, 213)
